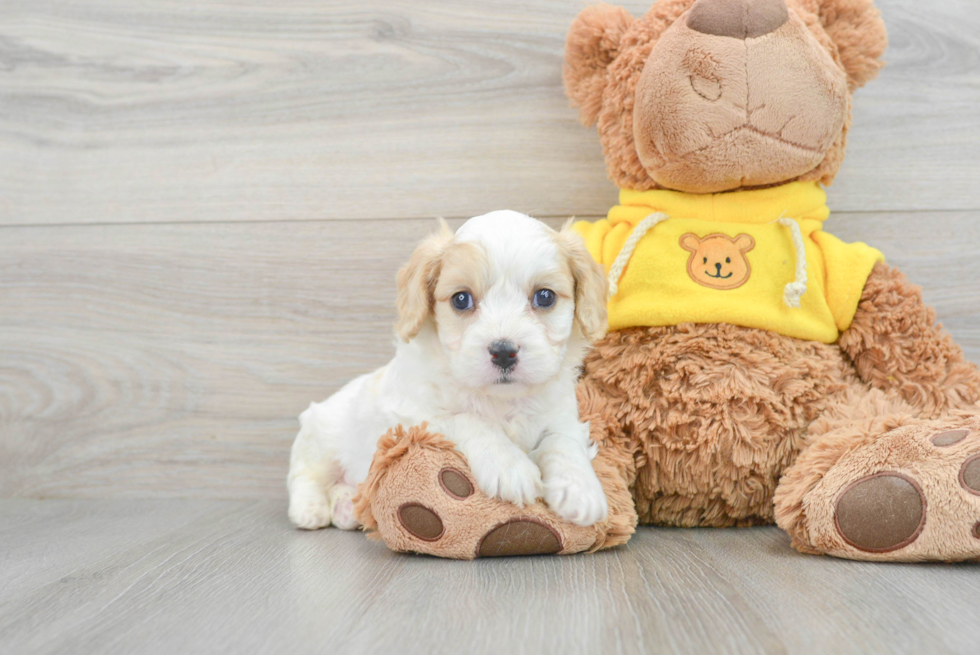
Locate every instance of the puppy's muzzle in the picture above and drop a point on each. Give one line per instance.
(503, 354)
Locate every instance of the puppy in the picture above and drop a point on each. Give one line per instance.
(493, 324)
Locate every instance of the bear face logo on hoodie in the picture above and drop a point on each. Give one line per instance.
(718, 261)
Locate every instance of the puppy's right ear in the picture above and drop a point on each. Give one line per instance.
(592, 44)
(417, 282)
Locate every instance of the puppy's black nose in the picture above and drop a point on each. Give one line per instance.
(503, 353)
(718, 267)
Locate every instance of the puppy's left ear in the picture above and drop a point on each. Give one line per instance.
(417, 282)
(591, 285)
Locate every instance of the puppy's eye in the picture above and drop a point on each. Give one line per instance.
(705, 260)
(728, 260)
(462, 301)
(544, 298)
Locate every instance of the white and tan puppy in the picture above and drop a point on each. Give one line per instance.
(493, 324)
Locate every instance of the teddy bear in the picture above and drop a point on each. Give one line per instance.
(757, 369)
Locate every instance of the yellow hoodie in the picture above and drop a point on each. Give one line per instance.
(757, 258)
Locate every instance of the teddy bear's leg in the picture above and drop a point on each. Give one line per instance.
(420, 496)
(875, 483)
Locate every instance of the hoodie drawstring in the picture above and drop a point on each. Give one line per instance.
(616, 270)
(795, 289)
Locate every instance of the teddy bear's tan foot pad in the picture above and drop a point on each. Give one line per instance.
(970, 475)
(519, 537)
(881, 512)
(420, 521)
(912, 494)
(949, 438)
(455, 484)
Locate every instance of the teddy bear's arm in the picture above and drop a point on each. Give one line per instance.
(896, 345)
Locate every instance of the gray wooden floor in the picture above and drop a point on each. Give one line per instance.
(184, 576)
(202, 208)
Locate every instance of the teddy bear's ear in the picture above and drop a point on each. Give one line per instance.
(859, 33)
(591, 45)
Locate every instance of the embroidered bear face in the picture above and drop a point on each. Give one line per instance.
(718, 261)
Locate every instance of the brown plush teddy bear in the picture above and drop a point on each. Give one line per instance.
(758, 369)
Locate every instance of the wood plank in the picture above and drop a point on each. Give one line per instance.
(907, 146)
(50, 542)
(827, 605)
(235, 577)
(175, 358)
(172, 360)
(221, 110)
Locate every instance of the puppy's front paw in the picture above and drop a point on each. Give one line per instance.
(507, 475)
(341, 503)
(309, 509)
(577, 496)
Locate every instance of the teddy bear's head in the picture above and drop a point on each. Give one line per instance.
(712, 95)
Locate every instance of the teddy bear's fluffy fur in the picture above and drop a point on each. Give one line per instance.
(865, 448)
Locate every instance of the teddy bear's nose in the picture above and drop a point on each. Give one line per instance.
(739, 19)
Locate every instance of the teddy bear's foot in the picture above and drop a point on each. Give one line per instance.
(911, 494)
(421, 497)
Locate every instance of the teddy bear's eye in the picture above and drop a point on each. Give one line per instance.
(705, 260)
(728, 260)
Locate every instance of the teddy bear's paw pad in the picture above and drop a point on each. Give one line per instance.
(519, 537)
(970, 475)
(455, 484)
(424, 523)
(949, 438)
(421, 522)
(881, 513)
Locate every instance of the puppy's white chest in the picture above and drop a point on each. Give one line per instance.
(522, 431)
